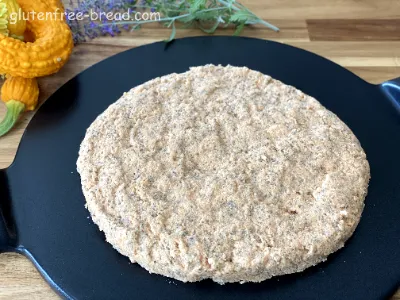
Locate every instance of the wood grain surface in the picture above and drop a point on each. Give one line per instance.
(361, 35)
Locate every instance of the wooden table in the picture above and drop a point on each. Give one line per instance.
(361, 35)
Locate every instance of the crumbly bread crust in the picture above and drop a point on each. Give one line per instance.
(222, 173)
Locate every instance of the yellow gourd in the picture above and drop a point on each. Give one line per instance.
(47, 48)
(3, 19)
(51, 48)
(12, 18)
(19, 94)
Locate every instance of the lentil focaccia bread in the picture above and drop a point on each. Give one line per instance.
(222, 173)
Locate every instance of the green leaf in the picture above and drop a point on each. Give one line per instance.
(136, 27)
(173, 13)
(230, 3)
(225, 20)
(173, 33)
(188, 25)
(182, 6)
(241, 16)
(187, 19)
(207, 15)
(211, 29)
(239, 29)
(196, 5)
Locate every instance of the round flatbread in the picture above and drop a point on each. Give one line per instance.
(222, 173)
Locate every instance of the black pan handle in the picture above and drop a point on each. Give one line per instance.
(391, 89)
(7, 229)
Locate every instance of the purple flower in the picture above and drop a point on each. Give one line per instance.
(111, 4)
(92, 28)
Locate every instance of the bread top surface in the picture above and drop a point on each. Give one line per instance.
(223, 173)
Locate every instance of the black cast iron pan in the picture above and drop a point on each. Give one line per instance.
(42, 206)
